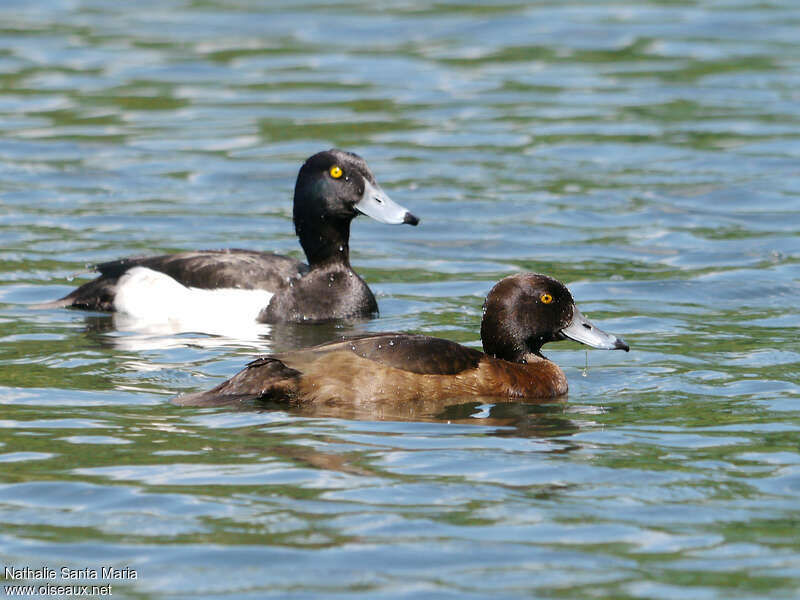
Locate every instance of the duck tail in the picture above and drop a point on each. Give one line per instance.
(97, 294)
(265, 378)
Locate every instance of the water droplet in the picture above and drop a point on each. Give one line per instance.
(585, 371)
(341, 248)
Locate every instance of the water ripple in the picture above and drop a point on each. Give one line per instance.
(644, 153)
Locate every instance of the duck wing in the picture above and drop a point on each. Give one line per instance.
(211, 269)
(409, 352)
(205, 269)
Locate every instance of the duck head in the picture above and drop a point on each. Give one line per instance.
(525, 311)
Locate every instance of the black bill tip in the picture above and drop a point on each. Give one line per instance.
(410, 219)
(620, 344)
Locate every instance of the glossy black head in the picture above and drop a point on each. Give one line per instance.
(525, 311)
(332, 188)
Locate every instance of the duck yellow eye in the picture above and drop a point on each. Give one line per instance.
(546, 298)
(335, 172)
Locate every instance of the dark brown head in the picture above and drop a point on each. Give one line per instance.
(525, 311)
(332, 188)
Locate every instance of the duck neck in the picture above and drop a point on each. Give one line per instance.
(325, 240)
(502, 340)
(516, 354)
(509, 354)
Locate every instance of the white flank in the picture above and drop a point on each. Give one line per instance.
(147, 300)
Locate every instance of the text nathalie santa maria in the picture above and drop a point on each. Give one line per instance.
(104, 573)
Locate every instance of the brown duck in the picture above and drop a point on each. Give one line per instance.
(521, 314)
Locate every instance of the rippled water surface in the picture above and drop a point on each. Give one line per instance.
(646, 153)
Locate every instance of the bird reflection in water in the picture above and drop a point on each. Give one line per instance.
(521, 418)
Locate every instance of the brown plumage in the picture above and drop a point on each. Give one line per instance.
(521, 313)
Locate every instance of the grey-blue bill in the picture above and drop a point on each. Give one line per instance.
(377, 204)
(584, 331)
